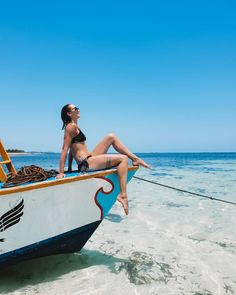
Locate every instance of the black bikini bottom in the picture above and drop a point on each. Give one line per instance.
(84, 165)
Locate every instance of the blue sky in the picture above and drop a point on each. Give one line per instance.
(159, 74)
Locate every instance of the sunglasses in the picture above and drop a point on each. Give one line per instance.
(74, 109)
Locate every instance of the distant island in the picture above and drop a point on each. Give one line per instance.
(15, 151)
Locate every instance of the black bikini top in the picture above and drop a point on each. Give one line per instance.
(80, 137)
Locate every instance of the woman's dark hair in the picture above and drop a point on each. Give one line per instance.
(64, 116)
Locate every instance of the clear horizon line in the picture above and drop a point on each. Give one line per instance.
(167, 152)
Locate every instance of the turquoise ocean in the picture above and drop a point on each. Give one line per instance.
(170, 243)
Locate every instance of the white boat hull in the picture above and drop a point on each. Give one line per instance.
(57, 216)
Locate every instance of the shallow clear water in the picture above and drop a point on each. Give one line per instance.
(171, 242)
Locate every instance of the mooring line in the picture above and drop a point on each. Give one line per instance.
(185, 191)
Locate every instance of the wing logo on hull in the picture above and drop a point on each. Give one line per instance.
(11, 217)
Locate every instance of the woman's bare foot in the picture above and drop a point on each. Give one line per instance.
(138, 161)
(123, 199)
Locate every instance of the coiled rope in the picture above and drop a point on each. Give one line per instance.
(185, 191)
(30, 173)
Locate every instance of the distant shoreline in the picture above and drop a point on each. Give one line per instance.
(20, 153)
(138, 153)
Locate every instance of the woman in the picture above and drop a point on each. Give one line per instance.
(75, 139)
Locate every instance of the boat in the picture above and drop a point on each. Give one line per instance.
(55, 215)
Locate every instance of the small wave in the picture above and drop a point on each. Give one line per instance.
(172, 204)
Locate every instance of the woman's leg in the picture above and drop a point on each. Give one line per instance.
(107, 161)
(112, 140)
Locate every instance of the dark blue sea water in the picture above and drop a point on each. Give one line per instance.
(51, 160)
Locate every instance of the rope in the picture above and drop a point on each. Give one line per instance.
(185, 191)
(28, 174)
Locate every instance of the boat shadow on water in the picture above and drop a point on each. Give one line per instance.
(114, 218)
(51, 268)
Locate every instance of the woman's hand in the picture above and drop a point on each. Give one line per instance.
(60, 175)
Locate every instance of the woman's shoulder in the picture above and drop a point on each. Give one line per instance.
(71, 127)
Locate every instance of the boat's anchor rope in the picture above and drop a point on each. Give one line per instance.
(30, 173)
(185, 191)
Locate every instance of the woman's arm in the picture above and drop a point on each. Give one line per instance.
(65, 147)
(70, 160)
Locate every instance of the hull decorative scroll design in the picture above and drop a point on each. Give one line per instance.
(104, 203)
